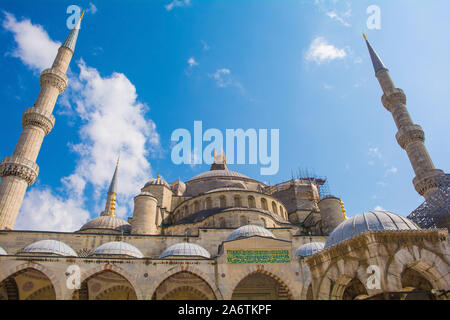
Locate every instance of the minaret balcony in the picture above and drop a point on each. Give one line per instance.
(406, 135)
(55, 78)
(20, 167)
(38, 117)
(396, 98)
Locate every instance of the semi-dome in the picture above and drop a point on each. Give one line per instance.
(186, 249)
(249, 231)
(118, 248)
(372, 220)
(3, 252)
(309, 248)
(107, 222)
(50, 247)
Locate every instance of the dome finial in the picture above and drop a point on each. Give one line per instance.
(159, 176)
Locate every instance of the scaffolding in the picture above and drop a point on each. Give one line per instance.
(435, 211)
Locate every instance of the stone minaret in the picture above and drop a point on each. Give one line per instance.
(410, 136)
(20, 170)
(110, 206)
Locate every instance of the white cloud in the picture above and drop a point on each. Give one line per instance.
(375, 153)
(340, 18)
(92, 8)
(382, 184)
(112, 121)
(392, 170)
(379, 208)
(321, 51)
(34, 46)
(206, 47)
(43, 210)
(191, 62)
(177, 3)
(222, 77)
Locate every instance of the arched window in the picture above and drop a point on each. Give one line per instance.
(274, 207)
(186, 210)
(208, 203)
(251, 202)
(264, 204)
(196, 206)
(222, 223)
(237, 201)
(243, 221)
(263, 222)
(281, 212)
(223, 202)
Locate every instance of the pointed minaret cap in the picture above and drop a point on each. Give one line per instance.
(113, 185)
(378, 65)
(71, 39)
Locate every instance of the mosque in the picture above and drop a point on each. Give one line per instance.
(221, 234)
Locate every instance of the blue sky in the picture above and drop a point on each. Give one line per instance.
(145, 68)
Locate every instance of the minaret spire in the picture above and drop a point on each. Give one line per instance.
(19, 171)
(71, 39)
(409, 136)
(110, 206)
(378, 65)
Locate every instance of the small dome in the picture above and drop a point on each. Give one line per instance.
(50, 246)
(146, 193)
(309, 248)
(186, 249)
(157, 181)
(3, 252)
(118, 248)
(372, 220)
(249, 231)
(107, 222)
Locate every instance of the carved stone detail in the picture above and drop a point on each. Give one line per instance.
(55, 78)
(38, 117)
(393, 99)
(20, 167)
(408, 134)
(429, 182)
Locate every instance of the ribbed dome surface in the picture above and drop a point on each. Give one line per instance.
(107, 222)
(185, 249)
(157, 181)
(309, 248)
(220, 173)
(3, 252)
(50, 246)
(372, 220)
(118, 248)
(249, 231)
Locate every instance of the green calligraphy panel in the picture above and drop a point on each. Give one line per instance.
(258, 256)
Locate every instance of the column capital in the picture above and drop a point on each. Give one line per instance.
(20, 167)
(393, 99)
(38, 117)
(55, 78)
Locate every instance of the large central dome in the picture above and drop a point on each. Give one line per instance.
(220, 173)
(219, 177)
